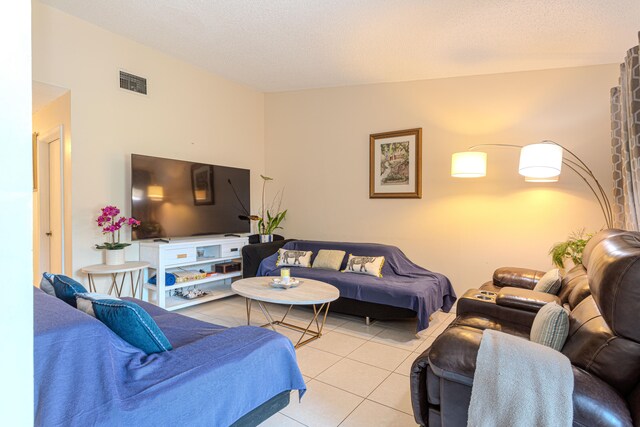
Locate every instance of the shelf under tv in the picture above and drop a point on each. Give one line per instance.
(183, 254)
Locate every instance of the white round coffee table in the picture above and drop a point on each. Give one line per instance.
(309, 292)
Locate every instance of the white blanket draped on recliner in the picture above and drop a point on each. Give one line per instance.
(520, 383)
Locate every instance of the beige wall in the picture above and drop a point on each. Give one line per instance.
(317, 147)
(46, 119)
(189, 114)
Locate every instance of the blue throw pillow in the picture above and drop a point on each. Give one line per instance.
(127, 319)
(169, 279)
(64, 287)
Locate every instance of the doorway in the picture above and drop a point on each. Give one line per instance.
(49, 202)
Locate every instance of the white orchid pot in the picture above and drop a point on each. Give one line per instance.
(114, 256)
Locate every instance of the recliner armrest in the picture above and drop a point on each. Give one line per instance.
(524, 299)
(593, 399)
(418, 384)
(516, 277)
(453, 354)
(471, 303)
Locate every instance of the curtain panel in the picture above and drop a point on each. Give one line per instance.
(625, 143)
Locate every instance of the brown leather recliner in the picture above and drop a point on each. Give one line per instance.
(603, 294)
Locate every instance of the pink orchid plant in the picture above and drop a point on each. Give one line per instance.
(110, 224)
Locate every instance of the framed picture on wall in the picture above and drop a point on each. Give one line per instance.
(395, 164)
(202, 184)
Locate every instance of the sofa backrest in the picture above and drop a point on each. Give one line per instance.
(604, 337)
(395, 259)
(596, 239)
(575, 284)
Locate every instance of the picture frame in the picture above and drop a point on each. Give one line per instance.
(395, 164)
(202, 184)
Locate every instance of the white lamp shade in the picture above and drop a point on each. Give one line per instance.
(469, 164)
(542, 160)
(550, 179)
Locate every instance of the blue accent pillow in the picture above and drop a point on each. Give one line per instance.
(127, 319)
(64, 287)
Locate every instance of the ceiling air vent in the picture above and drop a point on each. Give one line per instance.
(133, 83)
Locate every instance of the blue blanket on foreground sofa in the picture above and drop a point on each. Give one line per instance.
(85, 375)
(403, 283)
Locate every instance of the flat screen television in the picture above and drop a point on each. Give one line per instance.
(176, 198)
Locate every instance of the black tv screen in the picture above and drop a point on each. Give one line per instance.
(175, 198)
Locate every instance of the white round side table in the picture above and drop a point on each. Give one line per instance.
(114, 270)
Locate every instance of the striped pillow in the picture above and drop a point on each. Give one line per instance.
(551, 326)
(549, 283)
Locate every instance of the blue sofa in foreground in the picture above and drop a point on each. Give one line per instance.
(404, 286)
(215, 376)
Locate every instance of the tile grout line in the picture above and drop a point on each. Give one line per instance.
(374, 366)
(365, 399)
(299, 422)
(390, 407)
(349, 414)
(350, 392)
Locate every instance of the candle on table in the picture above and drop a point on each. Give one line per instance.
(285, 275)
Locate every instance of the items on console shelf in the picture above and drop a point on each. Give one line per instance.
(169, 279)
(191, 293)
(183, 276)
(228, 267)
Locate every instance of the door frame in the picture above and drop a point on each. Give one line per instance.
(47, 138)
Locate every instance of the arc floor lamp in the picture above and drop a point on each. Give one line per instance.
(539, 162)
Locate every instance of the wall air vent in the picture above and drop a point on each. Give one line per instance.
(133, 83)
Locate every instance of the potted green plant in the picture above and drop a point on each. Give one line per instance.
(111, 224)
(571, 248)
(269, 218)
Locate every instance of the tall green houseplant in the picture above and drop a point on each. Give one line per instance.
(269, 218)
(572, 249)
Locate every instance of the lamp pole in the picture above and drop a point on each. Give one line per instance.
(577, 165)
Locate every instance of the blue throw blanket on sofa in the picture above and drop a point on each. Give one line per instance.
(403, 283)
(86, 375)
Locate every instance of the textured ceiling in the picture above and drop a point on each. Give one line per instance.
(277, 45)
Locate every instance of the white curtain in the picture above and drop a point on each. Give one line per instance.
(625, 144)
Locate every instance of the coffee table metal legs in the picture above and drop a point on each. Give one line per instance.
(321, 312)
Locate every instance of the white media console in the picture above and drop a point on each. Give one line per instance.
(190, 254)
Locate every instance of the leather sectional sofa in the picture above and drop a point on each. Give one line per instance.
(603, 296)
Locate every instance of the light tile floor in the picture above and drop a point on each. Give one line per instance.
(356, 375)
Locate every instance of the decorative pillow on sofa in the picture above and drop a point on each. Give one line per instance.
(550, 282)
(292, 258)
(62, 287)
(46, 284)
(371, 265)
(328, 259)
(127, 319)
(550, 326)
